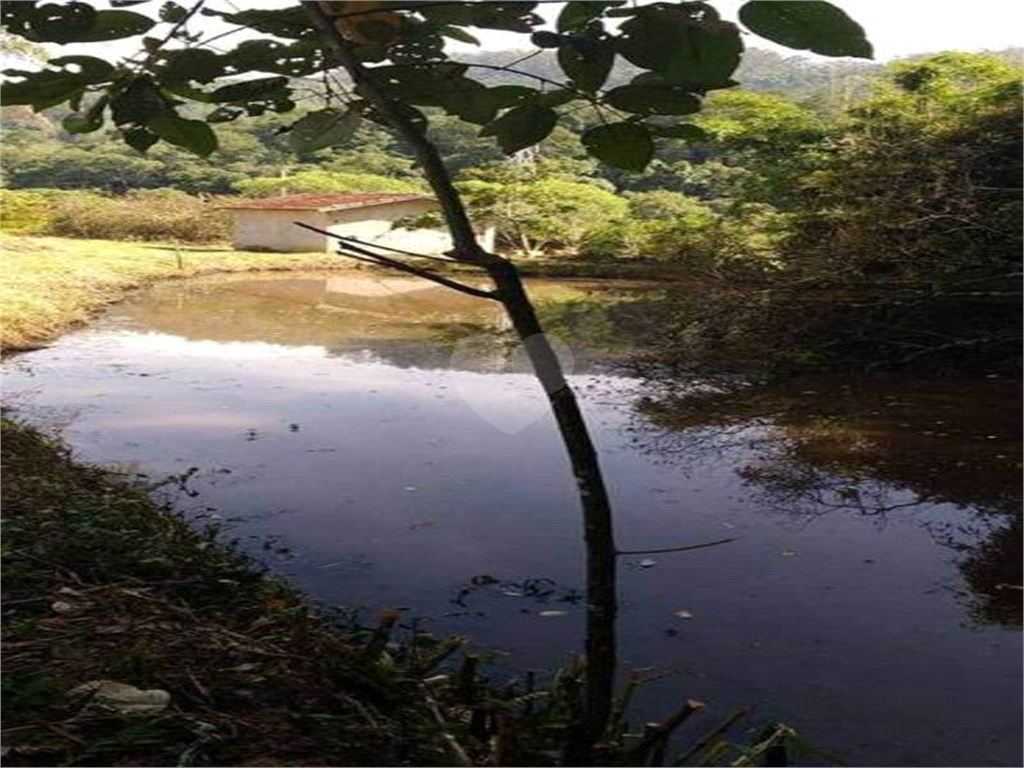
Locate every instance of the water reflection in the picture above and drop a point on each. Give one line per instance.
(406, 323)
(875, 450)
(332, 422)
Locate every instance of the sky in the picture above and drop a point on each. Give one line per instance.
(896, 28)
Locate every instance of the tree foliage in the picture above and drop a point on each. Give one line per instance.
(541, 215)
(682, 50)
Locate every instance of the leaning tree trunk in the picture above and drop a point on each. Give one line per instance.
(599, 673)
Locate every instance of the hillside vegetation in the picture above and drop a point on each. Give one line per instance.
(893, 191)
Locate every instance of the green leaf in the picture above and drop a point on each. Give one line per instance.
(252, 90)
(75, 97)
(512, 95)
(424, 85)
(53, 23)
(138, 103)
(474, 105)
(555, 98)
(685, 44)
(16, 18)
(224, 114)
(457, 33)
(521, 127)
(576, 15)
(186, 92)
(806, 25)
(625, 145)
(545, 39)
(291, 22)
(45, 88)
(409, 113)
(101, 26)
(199, 64)
(78, 122)
(325, 128)
(515, 17)
(172, 12)
(587, 61)
(139, 139)
(90, 69)
(653, 100)
(296, 59)
(685, 131)
(193, 135)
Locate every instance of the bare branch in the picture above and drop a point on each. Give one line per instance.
(674, 549)
(155, 51)
(376, 258)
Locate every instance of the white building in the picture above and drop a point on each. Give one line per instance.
(268, 224)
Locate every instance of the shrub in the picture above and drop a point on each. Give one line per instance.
(150, 214)
(26, 211)
(320, 181)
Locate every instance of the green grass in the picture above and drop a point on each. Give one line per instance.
(51, 284)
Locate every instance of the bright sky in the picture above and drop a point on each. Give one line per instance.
(896, 28)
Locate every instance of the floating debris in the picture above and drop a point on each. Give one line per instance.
(788, 553)
(647, 563)
(123, 699)
(681, 614)
(548, 614)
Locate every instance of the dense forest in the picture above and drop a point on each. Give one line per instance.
(893, 190)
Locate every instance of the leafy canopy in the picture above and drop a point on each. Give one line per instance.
(176, 88)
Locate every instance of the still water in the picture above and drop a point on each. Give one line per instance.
(368, 438)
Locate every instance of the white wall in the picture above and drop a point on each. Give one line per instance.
(275, 231)
(373, 225)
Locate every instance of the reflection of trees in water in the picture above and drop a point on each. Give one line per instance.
(872, 449)
(991, 565)
(408, 324)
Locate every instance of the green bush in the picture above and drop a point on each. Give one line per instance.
(321, 181)
(26, 211)
(145, 214)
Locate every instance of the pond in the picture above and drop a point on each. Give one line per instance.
(379, 442)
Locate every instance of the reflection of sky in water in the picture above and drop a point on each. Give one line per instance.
(391, 488)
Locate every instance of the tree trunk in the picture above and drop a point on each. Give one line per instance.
(599, 673)
(597, 514)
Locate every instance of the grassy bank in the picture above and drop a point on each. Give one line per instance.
(50, 284)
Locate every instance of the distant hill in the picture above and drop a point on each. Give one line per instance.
(830, 85)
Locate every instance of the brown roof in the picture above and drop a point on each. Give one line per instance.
(315, 202)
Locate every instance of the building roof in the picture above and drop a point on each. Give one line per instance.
(317, 202)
